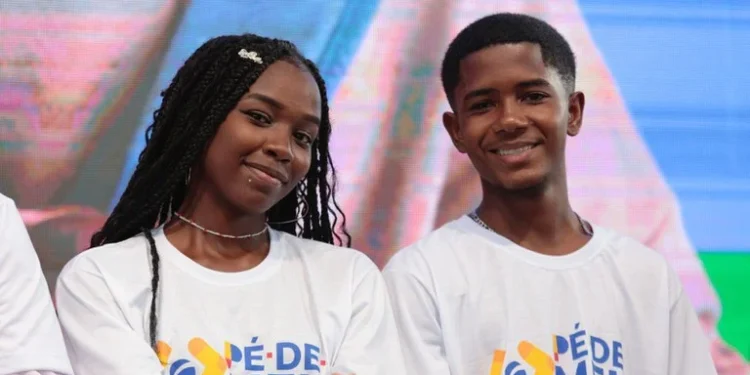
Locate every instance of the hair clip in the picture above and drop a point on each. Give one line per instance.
(252, 55)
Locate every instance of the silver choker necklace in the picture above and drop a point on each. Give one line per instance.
(585, 227)
(209, 231)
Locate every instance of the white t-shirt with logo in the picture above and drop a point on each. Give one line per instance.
(308, 308)
(30, 338)
(470, 302)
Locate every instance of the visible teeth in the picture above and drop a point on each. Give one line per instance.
(514, 151)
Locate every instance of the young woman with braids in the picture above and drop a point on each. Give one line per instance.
(219, 257)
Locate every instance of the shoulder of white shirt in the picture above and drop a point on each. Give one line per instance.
(137, 246)
(6, 202)
(619, 244)
(327, 253)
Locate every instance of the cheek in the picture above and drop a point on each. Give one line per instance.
(474, 128)
(216, 169)
(221, 159)
(301, 164)
(213, 157)
(549, 112)
(217, 154)
(550, 121)
(233, 138)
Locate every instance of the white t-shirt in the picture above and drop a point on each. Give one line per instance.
(30, 338)
(469, 301)
(308, 308)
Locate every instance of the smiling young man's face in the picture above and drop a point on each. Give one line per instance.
(512, 115)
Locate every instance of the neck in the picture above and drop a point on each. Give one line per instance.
(216, 214)
(539, 219)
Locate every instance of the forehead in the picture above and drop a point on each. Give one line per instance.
(291, 85)
(503, 64)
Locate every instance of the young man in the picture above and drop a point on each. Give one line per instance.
(31, 342)
(523, 285)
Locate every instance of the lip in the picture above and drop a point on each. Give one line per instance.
(272, 173)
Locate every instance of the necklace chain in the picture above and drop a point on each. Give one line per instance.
(209, 231)
(585, 227)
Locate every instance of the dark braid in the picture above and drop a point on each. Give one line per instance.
(204, 90)
(154, 285)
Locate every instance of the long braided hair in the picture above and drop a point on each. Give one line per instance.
(202, 93)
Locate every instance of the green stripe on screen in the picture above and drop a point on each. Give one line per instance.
(730, 275)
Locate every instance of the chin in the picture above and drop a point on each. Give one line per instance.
(259, 204)
(520, 181)
(521, 186)
(250, 202)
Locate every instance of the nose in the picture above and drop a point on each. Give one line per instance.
(278, 144)
(510, 118)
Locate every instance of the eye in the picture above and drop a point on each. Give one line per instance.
(258, 117)
(534, 97)
(480, 106)
(304, 138)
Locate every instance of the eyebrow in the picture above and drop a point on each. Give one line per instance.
(538, 82)
(276, 104)
(478, 92)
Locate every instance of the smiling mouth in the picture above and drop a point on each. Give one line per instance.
(267, 176)
(512, 151)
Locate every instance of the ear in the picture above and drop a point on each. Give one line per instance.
(450, 122)
(576, 102)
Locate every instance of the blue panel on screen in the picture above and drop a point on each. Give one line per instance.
(682, 70)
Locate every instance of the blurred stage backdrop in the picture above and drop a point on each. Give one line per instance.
(663, 153)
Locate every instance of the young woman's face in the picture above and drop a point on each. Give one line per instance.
(262, 150)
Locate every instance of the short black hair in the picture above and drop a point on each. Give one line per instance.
(508, 28)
